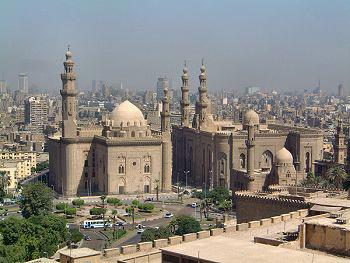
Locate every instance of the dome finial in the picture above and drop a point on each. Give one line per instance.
(202, 67)
(68, 53)
(185, 68)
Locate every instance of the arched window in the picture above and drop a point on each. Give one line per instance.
(288, 174)
(307, 162)
(266, 160)
(121, 169)
(133, 134)
(242, 161)
(146, 168)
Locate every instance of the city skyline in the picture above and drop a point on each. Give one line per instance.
(281, 45)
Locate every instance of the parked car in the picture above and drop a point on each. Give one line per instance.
(140, 231)
(87, 238)
(194, 205)
(168, 215)
(120, 223)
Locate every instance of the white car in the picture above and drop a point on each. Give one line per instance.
(168, 215)
(140, 230)
(194, 205)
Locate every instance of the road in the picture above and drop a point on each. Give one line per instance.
(98, 240)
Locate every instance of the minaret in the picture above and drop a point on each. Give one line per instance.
(250, 143)
(166, 143)
(185, 101)
(68, 93)
(339, 145)
(202, 104)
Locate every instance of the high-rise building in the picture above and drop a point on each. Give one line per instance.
(162, 83)
(36, 112)
(3, 86)
(23, 82)
(340, 90)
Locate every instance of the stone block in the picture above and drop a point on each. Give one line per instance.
(276, 219)
(175, 240)
(203, 234)
(145, 246)
(230, 229)
(111, 252)
(303, 212)
(285, 217)
(242, 227)
(254, 224)
(159, 243)
(189, 237)
(265, 222)
(216, 231)
(294, 214)
(129, 249)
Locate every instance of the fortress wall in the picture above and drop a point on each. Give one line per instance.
(251, 207)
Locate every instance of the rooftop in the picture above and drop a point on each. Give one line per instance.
(224, 249)
(332, 220)
(80, 252)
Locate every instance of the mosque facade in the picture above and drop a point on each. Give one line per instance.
(250, 155)
(122, 156)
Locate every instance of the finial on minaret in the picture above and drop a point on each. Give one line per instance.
(202, 67)
(68, 53)
(68, 47)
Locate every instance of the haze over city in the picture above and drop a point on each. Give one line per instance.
(281, 45)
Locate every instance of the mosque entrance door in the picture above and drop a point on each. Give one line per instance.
(121, 189)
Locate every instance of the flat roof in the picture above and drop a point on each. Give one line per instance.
(328, 201)
(79, 252)
(331, 222)
(230, 250)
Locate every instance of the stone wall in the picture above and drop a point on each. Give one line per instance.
(251, 207)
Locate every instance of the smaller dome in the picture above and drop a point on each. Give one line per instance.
(69, 55)
(251, 118)
(202, 68)
(284, 156)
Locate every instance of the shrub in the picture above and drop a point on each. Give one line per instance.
(185, 225)
(78, 202)
(135, 202)
(114, 201)
(148, 207)
(71, 211)
(97, 211)
(61, 206)
(151, 234)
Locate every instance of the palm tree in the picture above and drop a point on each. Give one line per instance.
(335, 177)
(103, 198)
(157, 189)
(114, 214)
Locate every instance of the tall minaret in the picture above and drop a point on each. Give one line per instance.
(339, 145)
(166, 143)
(202, 104)
(68, 93)
(185, 101)
(250, 143)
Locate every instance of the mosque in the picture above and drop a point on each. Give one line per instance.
(122, 156)
(250, 155)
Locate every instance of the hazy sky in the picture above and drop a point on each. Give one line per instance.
(282, 45)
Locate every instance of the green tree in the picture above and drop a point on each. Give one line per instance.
(61, 206)
(78, 202)
(114, 201)
(71, 211)
(147, 207)
(36, 199)
(103, 198)
(219, 194)
(335, 177)
(185, 224)
(135, 202)
(75, 235)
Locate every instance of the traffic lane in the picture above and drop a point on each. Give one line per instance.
(97, 241)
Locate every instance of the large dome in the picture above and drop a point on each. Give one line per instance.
(251, 118)
(284, 156)
(127, 114)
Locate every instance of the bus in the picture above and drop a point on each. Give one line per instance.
(95, 224)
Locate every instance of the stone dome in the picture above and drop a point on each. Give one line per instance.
(127, 114)
(251, 117)
(284, 156)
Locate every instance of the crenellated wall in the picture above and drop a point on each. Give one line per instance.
(250, 207)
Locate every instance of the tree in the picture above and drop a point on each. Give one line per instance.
(114, 201)
(4, 180)
(75, 235)
(114, 214)
(185, 224)
(70, 211)
(61, 206)
(151, 234)
(135, 202)
(78, 202)
(219, 194)
(36, 199)
(335, 177)
(103, 198)
(146, 207)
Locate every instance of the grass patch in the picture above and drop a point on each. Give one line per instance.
(118, 233)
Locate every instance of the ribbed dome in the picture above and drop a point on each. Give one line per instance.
(127, 114)
(251, 117)
(284, 156)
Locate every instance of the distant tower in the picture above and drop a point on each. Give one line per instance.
(340, 90)
(250, 143)
(166, 144)
(202, 104)
(162, 83)
(68, 93)
(339, 145)
(23, 82)
(185, 101)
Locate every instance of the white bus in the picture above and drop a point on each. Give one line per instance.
(95, 224)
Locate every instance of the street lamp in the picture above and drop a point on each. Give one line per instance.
(211, 180)
(186, 173)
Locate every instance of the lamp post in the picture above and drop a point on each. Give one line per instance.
(186, 173)
(210, 180)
